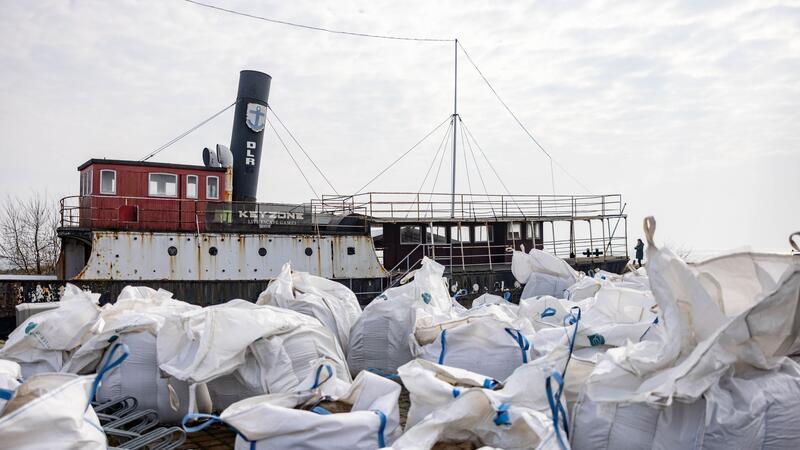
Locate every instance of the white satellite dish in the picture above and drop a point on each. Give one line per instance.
(224, 156)
(210, 158)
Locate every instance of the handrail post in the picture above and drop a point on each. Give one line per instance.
(489, 237)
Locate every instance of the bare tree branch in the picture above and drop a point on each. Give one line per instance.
(28, 239)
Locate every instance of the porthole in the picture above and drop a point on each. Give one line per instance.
(212, 251)
(172, 250)
(262, 252)
(309, 252)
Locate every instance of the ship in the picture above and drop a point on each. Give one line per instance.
(199, 231)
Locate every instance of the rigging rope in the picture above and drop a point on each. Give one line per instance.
(185, 133)
(435, 180)
(303, 150)
(401, 156)
(480, 175)
(466, 167)
(292, 157)
(469, 133)
(438, 170)
(430, 167)
(375, 36)
(315, 28)
(525, 129)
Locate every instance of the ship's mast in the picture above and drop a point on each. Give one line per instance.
(455, 120)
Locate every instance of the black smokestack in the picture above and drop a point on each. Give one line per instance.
(248, 133)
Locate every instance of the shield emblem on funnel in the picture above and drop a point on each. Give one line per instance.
(256, 117)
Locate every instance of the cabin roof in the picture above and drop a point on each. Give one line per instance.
(122, 162)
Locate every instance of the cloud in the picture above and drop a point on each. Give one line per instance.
(686, 108)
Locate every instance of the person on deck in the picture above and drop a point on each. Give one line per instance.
(639, 252)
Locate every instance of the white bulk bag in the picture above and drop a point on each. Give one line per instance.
(431, 386)
(379, 340)
(140, 377)
(637, 425)
(754, 410)
(489, 299)
(137, 309)
(633, 279)
(332, 303)
(233, 387)
(52, 410)
(481, 344)
(278, 363)
(272, 422)
(736, 281)
(10, 376)
(268, 348)
(477, 417)
(584, 288)
(505, 311)
(539, 284)
(696, 343)
(454, 405)
(613, 317)
(285, 359)
(549, 312)
(539, 261)
(135, 319)
(41, 343)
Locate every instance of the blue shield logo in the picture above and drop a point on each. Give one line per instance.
(256, 117)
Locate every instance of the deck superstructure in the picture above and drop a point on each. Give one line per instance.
(139, 221)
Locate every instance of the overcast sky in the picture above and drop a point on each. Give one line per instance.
(690, 110)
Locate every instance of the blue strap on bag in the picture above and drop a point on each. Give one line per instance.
(381, 428)
(210, 419)
(556, 407)
(554, 400)
(522, 342)
(6, 394)
(501, 416)
(317, 382)
(111, 362)
(443, 340)
(548, 312)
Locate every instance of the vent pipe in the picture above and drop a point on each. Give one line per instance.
(249, 120)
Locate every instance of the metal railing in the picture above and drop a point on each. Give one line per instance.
(458, 258)
(399, 206)
(333, 215)
(176, 214)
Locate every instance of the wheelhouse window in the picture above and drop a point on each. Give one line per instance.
(514, 232)
(163, 185)
(437, 235)
(108, 181)
(191, 186)
(459, 234)
(86, 182)
(212, 187)
(483, 233)
(533, 230)
(410, 234)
